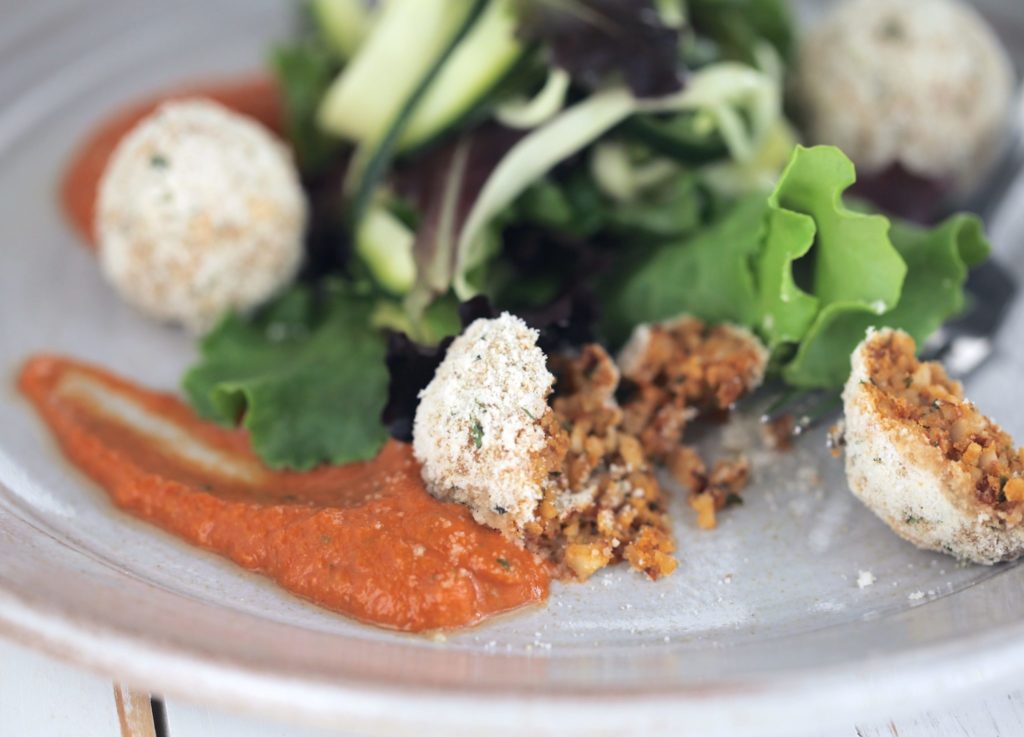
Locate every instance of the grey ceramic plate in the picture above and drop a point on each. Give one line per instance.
(763, 628)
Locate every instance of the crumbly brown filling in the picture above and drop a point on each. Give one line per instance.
(709, 492)
(688, 368)
(601, 501)
(921, 394)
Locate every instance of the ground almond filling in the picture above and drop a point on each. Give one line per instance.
(676, 372)
(561, 455)
(921, 394)
(602, 502)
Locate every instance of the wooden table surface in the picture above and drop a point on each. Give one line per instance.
(42, 697)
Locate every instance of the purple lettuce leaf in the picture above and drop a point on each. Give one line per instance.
(594, 40)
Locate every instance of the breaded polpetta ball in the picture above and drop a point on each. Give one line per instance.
(200, 212)
(924, 84)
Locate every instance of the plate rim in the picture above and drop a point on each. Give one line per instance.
(834, 695)
(837, 695)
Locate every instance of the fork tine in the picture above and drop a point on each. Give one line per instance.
(782, 402)
(827, 407)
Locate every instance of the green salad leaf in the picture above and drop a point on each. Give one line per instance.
(937, 260)
(557, 206)
(709, 275)
(304, 72)
(670, 210)
(861, 271)
(305, 376)
(846, 258)
(786, 310)
(807, 273)
(737, 27)
(854, 260)
(741, 102)
(577, 208)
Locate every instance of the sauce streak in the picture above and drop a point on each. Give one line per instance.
(256, 96)
(364, 539)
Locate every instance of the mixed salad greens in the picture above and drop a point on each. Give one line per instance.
(587, 164)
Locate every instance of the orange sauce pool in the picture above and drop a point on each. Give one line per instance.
(364, 539)
(256, 96)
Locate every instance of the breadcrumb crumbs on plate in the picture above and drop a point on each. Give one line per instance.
(677, 369)
(541, 449)
(605, 503)
(865, 579)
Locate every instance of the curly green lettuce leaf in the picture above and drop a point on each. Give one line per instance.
(786, 310)
(806, 272)
(845, 256)
(709, 275)
(938, 261)
(853, 259)
(305, 376)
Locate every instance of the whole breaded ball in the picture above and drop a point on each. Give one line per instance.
(200, 212)
(920, 83)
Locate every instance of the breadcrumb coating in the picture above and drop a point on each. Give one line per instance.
(483, 426)
(200, 212)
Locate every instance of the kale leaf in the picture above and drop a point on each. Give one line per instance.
(305, 376)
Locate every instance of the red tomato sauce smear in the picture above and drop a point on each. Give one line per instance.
(256, 95)
(363, 539)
